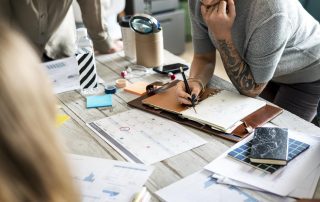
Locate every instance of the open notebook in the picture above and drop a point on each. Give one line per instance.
(223, 110)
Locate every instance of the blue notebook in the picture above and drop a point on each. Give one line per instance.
(99, 101)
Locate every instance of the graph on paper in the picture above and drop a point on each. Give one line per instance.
(107, 180)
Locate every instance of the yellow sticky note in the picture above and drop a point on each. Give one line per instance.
(61, 118)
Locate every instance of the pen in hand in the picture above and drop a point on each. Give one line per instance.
(193, 96)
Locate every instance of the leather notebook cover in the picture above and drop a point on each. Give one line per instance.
(167, 100)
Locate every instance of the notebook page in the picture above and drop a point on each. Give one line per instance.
(224, 109)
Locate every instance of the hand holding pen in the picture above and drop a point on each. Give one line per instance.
(187, 94)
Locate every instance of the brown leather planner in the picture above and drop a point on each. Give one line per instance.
(165, 104)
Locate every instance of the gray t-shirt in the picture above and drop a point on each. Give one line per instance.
(278, 39)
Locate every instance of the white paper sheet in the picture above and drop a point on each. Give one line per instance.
(305, 189)
(145, 138)
(202, 187)
(108, 180)
(64, 74)
(225, 180)
(283, 181)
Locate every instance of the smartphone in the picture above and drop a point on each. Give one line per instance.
(173, 68)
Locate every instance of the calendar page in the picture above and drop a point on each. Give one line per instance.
(145, 138)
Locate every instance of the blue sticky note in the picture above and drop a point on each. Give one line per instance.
(99, 101)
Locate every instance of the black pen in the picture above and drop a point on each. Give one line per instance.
(188, 89)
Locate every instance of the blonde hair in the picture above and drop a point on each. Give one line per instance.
(32, 166)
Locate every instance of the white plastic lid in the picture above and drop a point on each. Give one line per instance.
(82, 32)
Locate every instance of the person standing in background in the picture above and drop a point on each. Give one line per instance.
(32, 165)
(39, 19)
(312, 7)
(269, 48)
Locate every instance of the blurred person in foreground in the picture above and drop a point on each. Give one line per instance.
(32, 165)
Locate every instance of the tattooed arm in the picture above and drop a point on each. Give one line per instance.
(238, 70)
(219, 18)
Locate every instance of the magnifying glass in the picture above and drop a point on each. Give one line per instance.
(144, 24)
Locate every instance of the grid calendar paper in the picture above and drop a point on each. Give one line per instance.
(145, 138)
(242, 154)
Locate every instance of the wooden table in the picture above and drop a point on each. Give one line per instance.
(79, 139)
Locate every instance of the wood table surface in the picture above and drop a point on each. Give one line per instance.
(79, 139)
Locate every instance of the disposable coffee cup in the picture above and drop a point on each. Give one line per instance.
(128, 38)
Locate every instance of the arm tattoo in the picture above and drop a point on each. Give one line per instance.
(238, 71)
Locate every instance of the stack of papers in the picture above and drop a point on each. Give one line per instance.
(108, 180)
(238, 181)
(201, 186)
(297, 179)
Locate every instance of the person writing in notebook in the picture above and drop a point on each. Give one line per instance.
(32, 165)
(40, 19)
(268, 48)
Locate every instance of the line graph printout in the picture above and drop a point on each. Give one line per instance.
(107, 180)
(145, 138)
